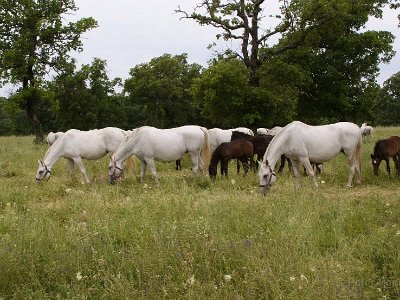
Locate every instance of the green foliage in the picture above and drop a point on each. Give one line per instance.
(86, 99)
(34, 40)
(387, 106)
(161, 89)
(222, 92)
(340, 60)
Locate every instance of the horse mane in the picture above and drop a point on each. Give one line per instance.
(283, 130)
(239, 134)
(379, 148)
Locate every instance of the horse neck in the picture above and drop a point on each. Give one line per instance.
(53, 153)
(274, 150)
(126, 148)
(215, 158)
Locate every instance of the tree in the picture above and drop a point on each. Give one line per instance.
(240, 20)
(387, 106)
(340, 60)
(220, 92)
(161, 89)
(35, 40)
(87, 98)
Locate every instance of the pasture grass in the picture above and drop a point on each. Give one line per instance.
(194, 238)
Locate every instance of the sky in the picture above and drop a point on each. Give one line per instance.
(131, 32)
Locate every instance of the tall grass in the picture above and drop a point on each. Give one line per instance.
(194, 238)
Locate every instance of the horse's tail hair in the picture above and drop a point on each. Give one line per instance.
(130, 165)
(357, 154)
(206, 149)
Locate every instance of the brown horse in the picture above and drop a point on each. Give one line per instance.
(240, 149)
(383, 150)
(260, 144)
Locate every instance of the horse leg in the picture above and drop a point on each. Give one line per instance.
(200, 164)
(354, 168)
(79, 162)
(194, 157)
(71, 165)
(396, 164)
(310, 171)
(387, 165)
(283, 161)
(152, 166)
(296, 171)
(224, 167)
(237, 166)
(244, 161)
(143, 166)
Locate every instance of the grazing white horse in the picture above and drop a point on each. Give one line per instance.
(219, 136)
(150, 144)
(75, 145)
(366, 130)
(304, 144)
(52, 136)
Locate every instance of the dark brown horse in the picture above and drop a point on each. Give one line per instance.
(260, 144)
(385, 149)
(241, 150)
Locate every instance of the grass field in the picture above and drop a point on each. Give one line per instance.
(193, 238)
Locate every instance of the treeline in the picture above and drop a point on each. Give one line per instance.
(323, 69)
(168, 91)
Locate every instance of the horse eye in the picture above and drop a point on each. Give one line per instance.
(41, 171)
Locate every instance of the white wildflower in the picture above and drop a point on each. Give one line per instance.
(190, 281)
(292, 278)
(303, 277)
(228, 277)
(233, 181)
(79, 276)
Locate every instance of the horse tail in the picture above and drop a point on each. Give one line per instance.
(357, 153)
(206, 149)
(130, 165)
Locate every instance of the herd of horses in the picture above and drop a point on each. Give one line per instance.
(297, 143)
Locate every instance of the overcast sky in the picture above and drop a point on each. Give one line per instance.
(131, 32)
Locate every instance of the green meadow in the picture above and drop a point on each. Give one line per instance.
(193, 238)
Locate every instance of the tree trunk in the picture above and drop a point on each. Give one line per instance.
(37, 127)
(30, 104)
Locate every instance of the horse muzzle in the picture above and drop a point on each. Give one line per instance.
(111, 179)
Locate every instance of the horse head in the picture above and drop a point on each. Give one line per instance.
(115, 170)
(267, 176)
(376, 161)
(43, 171)
(212, 171)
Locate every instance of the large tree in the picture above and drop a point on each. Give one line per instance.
(87, 99)
(35, 39)
(241, 20)
(341, 60)
(161, 88)
(387, 106)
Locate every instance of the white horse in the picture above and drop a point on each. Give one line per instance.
(305, 144)
(366, 130)
(219, 136)
(150, 144)
(75, 145)
(266, 131)
(52, 136)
